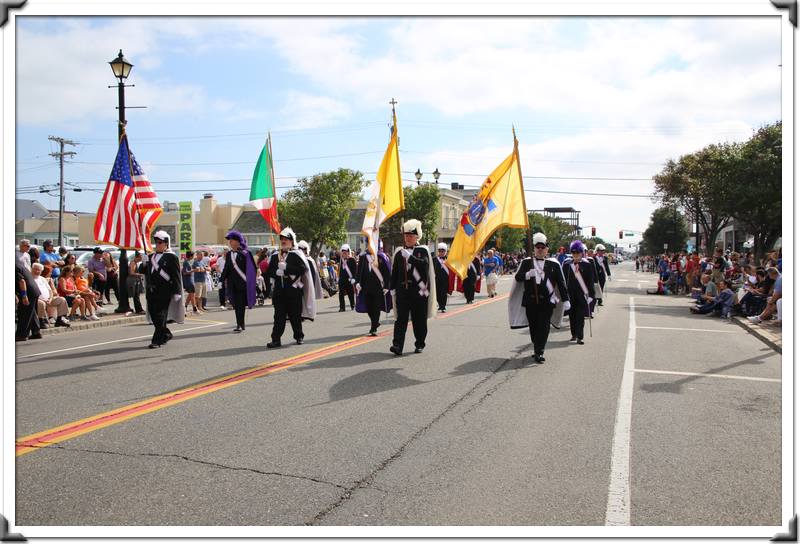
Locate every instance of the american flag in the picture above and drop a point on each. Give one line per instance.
(129, 207)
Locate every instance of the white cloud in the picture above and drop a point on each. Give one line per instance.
(302, 110)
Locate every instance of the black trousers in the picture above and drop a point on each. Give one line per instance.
(27, 320)
(578, 311)
(539, 324)
(469, 289)
(346, 288)
(158, 307)
(441, 295)
(417, 309)
(374, 303)
(222, 294)
(290, 307)
(238, 297)
(112, 284)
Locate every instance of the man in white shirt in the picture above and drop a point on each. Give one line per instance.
(49, 303)
(22, 253)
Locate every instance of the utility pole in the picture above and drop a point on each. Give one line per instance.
(62, 142)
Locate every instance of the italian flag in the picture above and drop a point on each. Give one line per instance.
(262, 190)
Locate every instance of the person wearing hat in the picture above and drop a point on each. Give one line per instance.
(302, 245)
(290, 277)
(163, 279)
(239, 276)
(413, 288)
(580, 277)
(442, 276)
(544, 289)
(374, 273)
(472, 283)
(347, 278)
(603, 270)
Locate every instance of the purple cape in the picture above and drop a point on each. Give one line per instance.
(361, 303)
(251, 279)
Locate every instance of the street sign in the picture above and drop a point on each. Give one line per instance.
(666, 246)
(629, 234)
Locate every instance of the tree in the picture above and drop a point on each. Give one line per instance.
(667, 226)
(559, 233)
(422, 202)
(508, 240)
(700, 183)
(319, 207)
(755, 198)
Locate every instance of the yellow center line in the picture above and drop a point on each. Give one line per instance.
(83, 426)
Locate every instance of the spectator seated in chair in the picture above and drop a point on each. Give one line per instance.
(90, 296)
(773, 300)
(49, 304)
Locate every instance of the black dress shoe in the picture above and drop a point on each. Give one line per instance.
(154, 346)
(572, 339)
(342, 309)
(20, 338)
(395, 350)
(373, 332)
(299, 341)
(541, 358)
(418, 350)
(36, 336)
(169, 337)
(237, 329)
(536, 358)
(580, 341)
(273, 345)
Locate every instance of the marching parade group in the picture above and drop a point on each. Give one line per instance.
(414, 284)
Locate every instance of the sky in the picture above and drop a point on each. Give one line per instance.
(599, 103)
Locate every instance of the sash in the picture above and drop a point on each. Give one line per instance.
(157, 268)
(347, 269)
(374, 269)
(472, 267)
(423, 287)
(579, 277)
(238, 270)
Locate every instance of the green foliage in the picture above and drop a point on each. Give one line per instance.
(422, 202)
(667, 226)
(508, 240)
(755, 199)
(730, 180)
(558, 231)
(319, 207)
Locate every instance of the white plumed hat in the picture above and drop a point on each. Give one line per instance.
(345, 247)
(442, 245)
(412, 226)
(539, 238)
(289, 233)
(302, 244)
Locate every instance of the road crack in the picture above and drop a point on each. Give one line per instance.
(367, 481)
(197, 461)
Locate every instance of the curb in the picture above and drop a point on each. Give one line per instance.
(759, 333)
(104, 322)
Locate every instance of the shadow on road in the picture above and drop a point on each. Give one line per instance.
(93, 367)
(368, 382)
(676, 387)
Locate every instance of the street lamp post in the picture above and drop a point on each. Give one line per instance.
(122, 68)
(436, 175)
(418, 175)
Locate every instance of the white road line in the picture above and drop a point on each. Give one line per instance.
(711, 375)
(115, 341)
(686, 329)
(618, 507)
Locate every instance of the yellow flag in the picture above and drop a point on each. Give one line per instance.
(499, 202)
(387, 192)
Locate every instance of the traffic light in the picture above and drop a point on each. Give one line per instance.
(620, 235)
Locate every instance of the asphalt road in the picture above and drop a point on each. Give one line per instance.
(470, 432)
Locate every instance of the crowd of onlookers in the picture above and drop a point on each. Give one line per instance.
(52, 289)
(723, 284)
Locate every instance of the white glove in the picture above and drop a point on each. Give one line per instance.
(282, 265)
(589, 300)
(530, 273)
(358, 288)
(567, 306)
(279, 272)
(385, 292)
(406, 253)
(392, 292)
(176, 297)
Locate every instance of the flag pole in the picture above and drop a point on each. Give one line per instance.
(272, 175)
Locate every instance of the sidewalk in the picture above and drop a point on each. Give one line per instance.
(772, 335)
